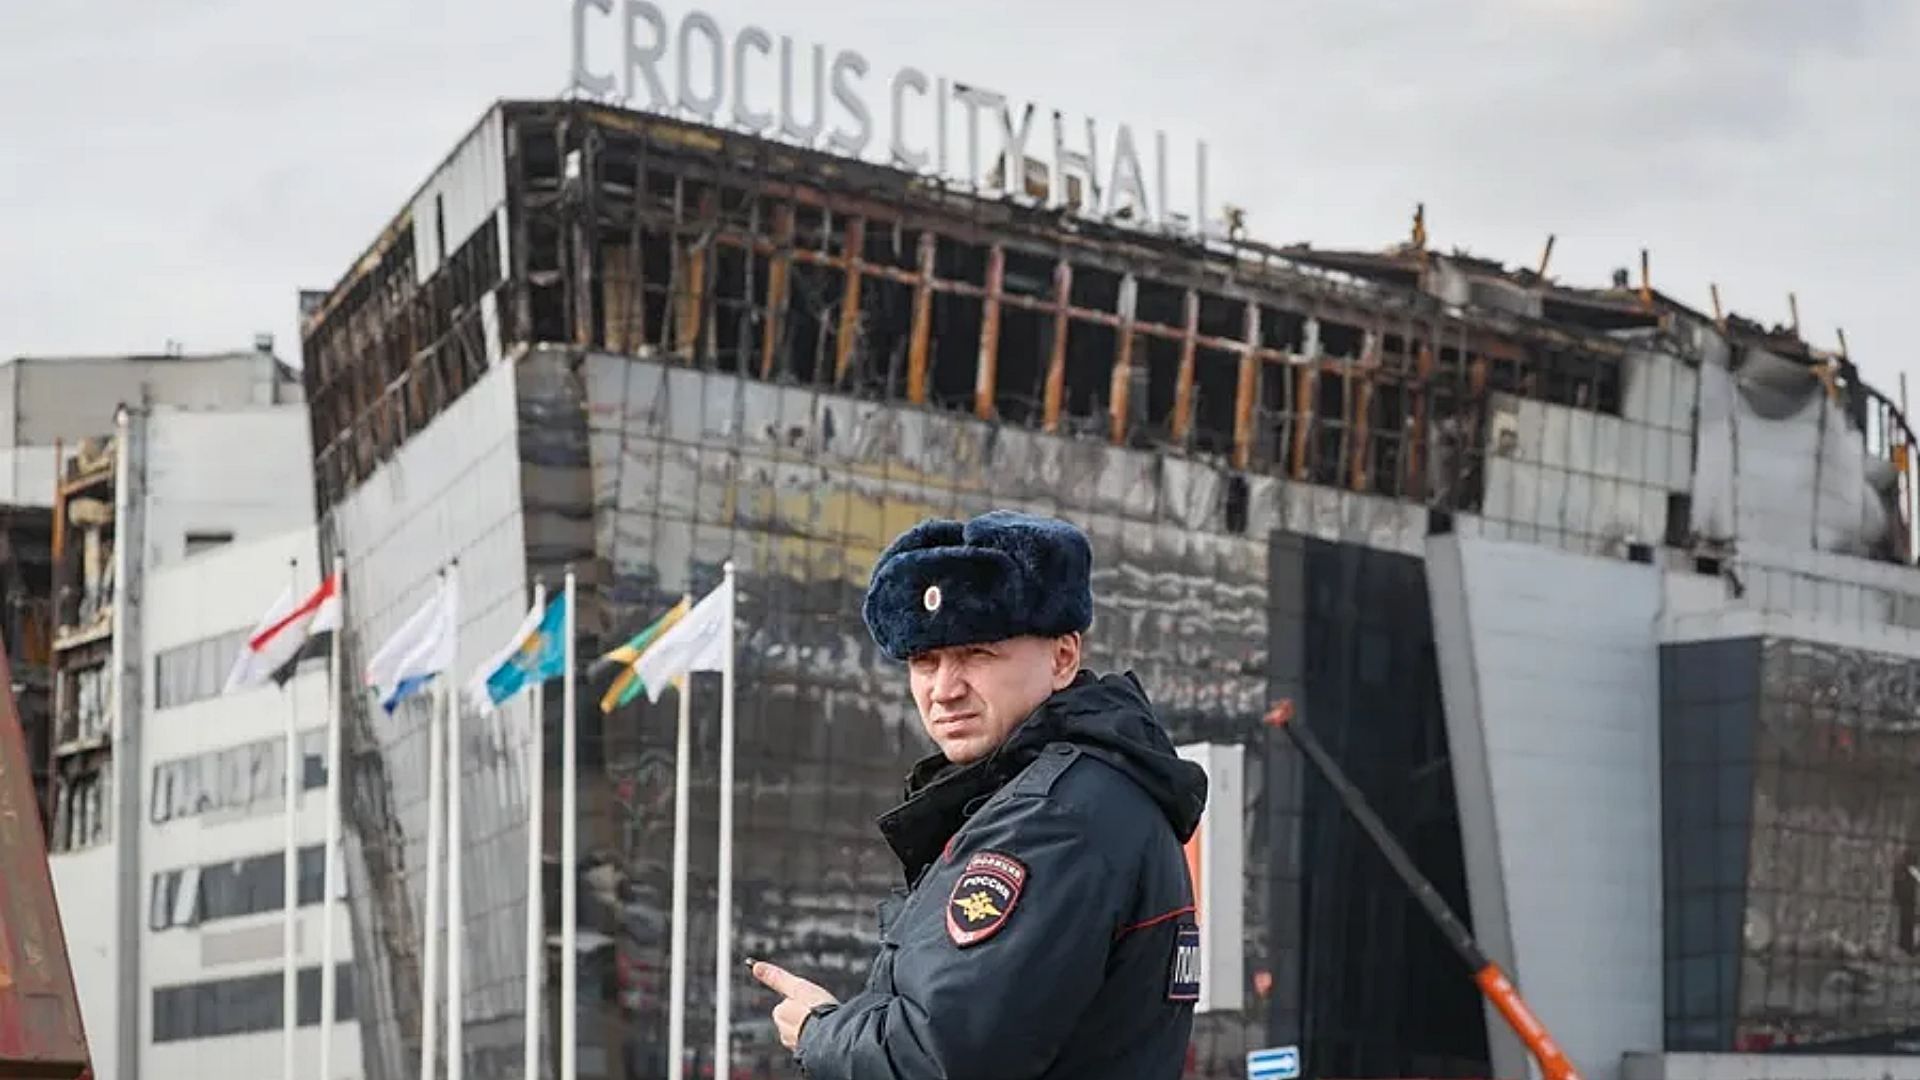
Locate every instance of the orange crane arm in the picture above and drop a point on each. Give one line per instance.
(1492, 981)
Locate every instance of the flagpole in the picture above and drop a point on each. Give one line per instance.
(569, 856)
(723, 935)
(329, 882)
(289, 881)
(456, 844)
(682, 785)
(430, 962)
(536, 819)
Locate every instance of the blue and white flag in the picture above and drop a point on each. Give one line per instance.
(422, 648)
(535, 654)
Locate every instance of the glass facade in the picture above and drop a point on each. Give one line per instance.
(1829, 956)
(1368, 986)
(646, 478)
(453, 492)
(802, 490)
(1710, 693)
(1792, 837)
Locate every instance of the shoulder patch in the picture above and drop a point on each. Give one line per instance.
(1039, 777)
(983, 897)
(1183, 976)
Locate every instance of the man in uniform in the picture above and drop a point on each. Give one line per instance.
(1049, 928)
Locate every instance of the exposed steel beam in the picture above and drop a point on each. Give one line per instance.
(987, 373)
(1121, 385)
(856, 246)
(1246, 392)
(1360, 404)
(922, 324)
(1183, 381)
(1305, 398)
(1057, 359)
(1414, 483)
(779, 265)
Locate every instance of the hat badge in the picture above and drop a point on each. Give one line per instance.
(931, 599)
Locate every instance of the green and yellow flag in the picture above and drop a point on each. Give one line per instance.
(628, 684)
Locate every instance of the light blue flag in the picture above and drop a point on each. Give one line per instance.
(535, 653)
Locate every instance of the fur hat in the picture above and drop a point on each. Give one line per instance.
(1002, 575)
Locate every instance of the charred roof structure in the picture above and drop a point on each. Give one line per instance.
(1371, 372)
(1512, 546)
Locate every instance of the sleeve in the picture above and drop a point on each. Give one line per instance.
(1001, 1006)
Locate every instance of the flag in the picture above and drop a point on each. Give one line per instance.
(281, 636)
(316, 647)
(422, 648)
(535, 653)
(700, 641)
(627, 685)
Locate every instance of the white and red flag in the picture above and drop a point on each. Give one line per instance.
(284, 635)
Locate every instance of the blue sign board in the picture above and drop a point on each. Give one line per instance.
(1279, 1063)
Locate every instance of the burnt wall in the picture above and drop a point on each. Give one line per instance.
(801, 490)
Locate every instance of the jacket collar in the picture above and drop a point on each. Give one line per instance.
(941, 796)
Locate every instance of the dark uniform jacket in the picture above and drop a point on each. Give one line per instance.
(1049, 930)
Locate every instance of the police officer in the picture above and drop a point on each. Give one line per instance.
(1049, 929)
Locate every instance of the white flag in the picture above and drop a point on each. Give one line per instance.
(703, 641)
(422, 648)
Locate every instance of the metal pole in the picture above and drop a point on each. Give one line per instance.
(723, 929)
(1905, 481)
(330, 882)
(536, 816)
(456, 881)
(677, 962)
(430, 952)
(569, 859)
(289, 880)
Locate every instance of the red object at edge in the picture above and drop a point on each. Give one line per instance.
(40, 1031)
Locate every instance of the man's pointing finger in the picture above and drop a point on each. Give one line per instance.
(775, 978)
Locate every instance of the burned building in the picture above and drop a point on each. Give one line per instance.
(640, 347)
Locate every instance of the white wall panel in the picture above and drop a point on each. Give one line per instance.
(1550, 675)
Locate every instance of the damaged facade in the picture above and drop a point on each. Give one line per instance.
(641, 347)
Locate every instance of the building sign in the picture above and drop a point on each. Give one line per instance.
(629, 52)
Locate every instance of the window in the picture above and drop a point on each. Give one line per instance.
(242, 778)
(206, 1010)
(80, 817)
(239, 887)
(83, 706)
(195, 671)
(198, 670)
(175, 899)
(198, 542)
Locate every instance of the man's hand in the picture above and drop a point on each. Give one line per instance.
(801, 997)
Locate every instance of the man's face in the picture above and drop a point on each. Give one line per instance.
(971, 697)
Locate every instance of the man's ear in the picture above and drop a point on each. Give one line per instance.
(1066, 659)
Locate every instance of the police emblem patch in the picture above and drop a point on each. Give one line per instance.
(983, 897)
(1183, 979)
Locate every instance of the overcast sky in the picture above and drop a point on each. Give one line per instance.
(178, 169)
